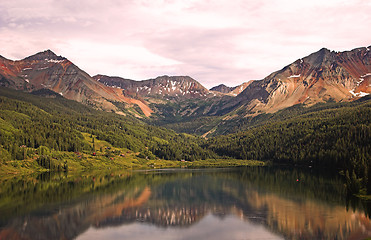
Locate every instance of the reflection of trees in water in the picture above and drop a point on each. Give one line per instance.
(308, 219)
(181, 199)
(325, 185)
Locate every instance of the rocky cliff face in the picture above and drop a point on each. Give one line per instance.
(45, 70)
(179, 87)
(320, 77)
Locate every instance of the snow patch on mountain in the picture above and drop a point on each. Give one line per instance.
(360, 94)
(294, 76)
(53, 60)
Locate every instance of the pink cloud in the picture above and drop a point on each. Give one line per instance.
(213, 41)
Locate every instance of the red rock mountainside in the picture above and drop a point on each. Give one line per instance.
(320, 77)
(47, 70)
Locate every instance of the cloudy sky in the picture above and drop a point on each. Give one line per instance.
(220, 41)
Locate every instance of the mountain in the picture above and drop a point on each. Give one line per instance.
(46, 70)
(178, 87)
(308, 113)
(222, 88)
(233, 91)
(320, 77)
(239, 89)
(172, 98)
(323, 76)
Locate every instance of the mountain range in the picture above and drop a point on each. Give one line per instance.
(46, 70)
(234, 91)
(320, 77)
(323, 76)
(314, 112)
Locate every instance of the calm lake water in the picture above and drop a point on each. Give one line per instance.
(239, 203)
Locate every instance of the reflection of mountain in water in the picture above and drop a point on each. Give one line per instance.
(181, 199)
(182, 202)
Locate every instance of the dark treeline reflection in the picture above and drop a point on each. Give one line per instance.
(291, 203)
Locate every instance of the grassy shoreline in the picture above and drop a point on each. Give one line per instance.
(103, 157)
(81, 162)
(84, 164)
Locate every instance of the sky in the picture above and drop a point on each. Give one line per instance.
(209, 227)
(214, 42)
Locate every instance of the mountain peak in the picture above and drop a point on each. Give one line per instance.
(320, 57)
(162, 86)
(175, 78)
(221, 88)
(47, 54)
(324, 50)
(220, 85)
(322, 76)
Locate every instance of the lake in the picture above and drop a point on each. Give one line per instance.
(235, 203)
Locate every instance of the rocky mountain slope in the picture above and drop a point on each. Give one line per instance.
(320, 77)
(233, 91)
(172, 98)
(46, 70)
(178, 87)
(222, 88)
(239, 89)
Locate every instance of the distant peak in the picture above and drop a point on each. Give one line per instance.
(320, 57)
(167, 76)
(100, 75)
(324, 50)
(222, 85)
(222, 88)
(47, 54)
(176, 78)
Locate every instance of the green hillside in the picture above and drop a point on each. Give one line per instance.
(51, 132)
(335, 135)
(34, 127)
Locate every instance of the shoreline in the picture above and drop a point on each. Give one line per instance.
(17, 168)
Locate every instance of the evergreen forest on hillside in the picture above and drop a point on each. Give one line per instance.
(333, 135)
(29, 121)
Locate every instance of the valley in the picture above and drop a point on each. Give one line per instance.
(184, 120)
(324, 76)
(314, 112)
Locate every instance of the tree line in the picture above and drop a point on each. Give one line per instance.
(330, 138)
(335, 135)
(28, 122)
